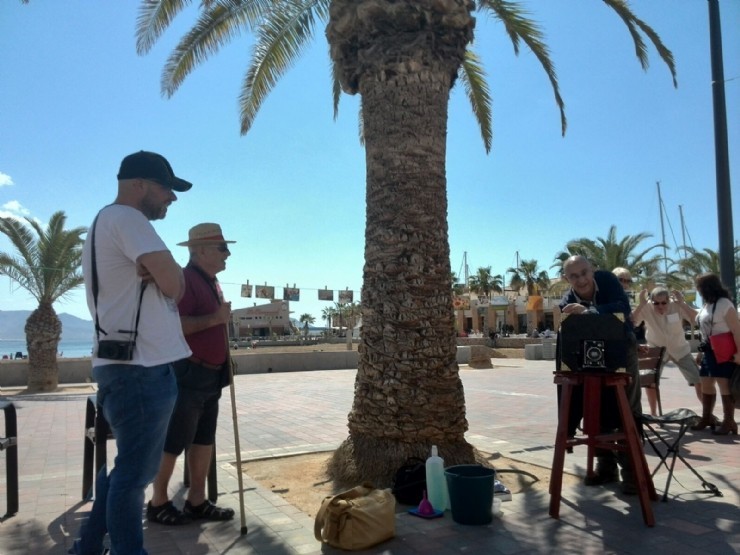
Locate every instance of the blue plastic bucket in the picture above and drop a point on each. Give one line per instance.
(471, 493)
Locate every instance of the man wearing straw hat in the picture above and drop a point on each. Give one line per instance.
(204, 316)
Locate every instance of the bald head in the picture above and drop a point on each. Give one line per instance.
(579, 273)
(575, 259)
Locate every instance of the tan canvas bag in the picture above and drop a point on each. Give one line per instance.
(357, 518)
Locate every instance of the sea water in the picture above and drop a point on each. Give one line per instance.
(66, 349)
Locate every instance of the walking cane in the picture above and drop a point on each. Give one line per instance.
(232, 371)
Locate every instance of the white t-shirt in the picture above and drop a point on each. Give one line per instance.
(711, 318)
(666, 330)
(122, 234)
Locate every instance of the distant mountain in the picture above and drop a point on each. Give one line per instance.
(12, 323)
(299, 325)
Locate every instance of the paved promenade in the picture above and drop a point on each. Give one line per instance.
(511, 411)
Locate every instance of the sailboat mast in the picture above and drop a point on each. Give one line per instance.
(662, 231)
(683, 229)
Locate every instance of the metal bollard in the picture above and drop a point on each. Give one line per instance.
(9, 444)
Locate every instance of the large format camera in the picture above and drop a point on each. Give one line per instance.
(594, 354)
(116, 350)
(592, 343)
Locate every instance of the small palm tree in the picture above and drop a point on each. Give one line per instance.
(457, 287)
(327, 314)
(307, 320)
(48, 266)
(529, 276)
(694, 262)
(483, 282)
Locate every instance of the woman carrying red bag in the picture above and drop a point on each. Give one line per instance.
(718, 316)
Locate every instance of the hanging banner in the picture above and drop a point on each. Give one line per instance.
(326, 294)
(291, 294)
(345, 297)
(534, 302)
(246, 290)
(265, 292)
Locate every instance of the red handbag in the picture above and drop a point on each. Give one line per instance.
(723, 345)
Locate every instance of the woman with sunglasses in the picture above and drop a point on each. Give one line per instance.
(718, 315)
(663, 320)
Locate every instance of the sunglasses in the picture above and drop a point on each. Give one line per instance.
(660, 302)
(223, 247)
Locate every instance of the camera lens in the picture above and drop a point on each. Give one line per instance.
(593, 354)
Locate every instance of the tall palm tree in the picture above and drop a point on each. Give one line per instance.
(307, 320)
(609, 252)
(482, 282)
(47, 265)
(402, 57)
(529, 276)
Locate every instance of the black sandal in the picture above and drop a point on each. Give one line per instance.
(166, 514)
(207, 511)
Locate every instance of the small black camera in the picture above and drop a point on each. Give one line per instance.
(116, 350)
(593, 354)
(703, 347)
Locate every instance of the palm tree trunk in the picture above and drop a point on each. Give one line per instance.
(43, 331)
(402, 57)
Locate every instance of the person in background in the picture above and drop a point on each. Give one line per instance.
(133, 285)
(663, 320)
(718, 315)
(600, 292)
(204, 316)
(625, 278)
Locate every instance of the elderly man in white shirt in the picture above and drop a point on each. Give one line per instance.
(664, 328)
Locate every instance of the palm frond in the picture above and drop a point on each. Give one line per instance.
(519, 25)
(281, 39)
(473, 78)
(336, 90)
(634, 23)
(215, 27)
(153, 19)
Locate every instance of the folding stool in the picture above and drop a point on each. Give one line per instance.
(685, 418)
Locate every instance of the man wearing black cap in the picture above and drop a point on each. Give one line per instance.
(133, 285)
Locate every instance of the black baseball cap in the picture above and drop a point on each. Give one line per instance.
(152, 166)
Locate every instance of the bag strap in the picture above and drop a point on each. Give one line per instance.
(318, 523)
(95, 289)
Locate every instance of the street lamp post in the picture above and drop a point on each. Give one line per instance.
(721, 155)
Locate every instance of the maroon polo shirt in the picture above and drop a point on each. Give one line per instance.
(203, 296)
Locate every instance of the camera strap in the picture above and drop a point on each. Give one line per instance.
(95, 289)
(711, 321)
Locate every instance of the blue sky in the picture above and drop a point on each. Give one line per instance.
(75, 98)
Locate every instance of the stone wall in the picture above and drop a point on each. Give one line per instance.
(14, 373)
(516, 342)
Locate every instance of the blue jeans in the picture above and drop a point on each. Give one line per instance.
(137, 402)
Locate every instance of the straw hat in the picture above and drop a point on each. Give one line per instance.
(204, 234)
